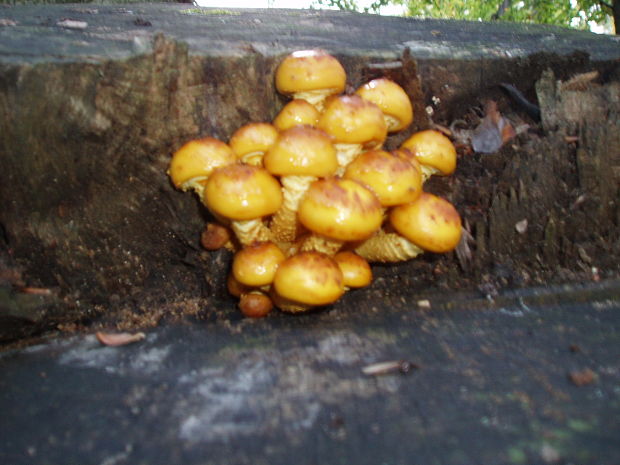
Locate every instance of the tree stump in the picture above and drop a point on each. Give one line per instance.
(91, 110)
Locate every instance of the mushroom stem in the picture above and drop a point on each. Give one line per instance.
(392, 123)
(346, 153)
(253, 158)
(196, 184)
(287, 305)
(314, 97)
(250, 231)
(322, 244)
(388, 247)
(284, 225)
(427, 172)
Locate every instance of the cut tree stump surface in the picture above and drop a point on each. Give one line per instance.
(532, 377)
(44, 33)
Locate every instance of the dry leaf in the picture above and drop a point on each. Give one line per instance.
(493, 131)
(583, 377)
(579, 82)
(118, 339)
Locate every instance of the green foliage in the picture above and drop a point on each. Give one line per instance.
(565, 13)
(575, 13)
(351, 5)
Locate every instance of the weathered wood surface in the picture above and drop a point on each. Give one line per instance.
(88, 120)
(495, 383)
(90, 116)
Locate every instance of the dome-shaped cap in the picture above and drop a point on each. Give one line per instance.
(242, 192)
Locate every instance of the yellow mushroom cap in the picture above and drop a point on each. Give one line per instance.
(431, 223)
(310, 70)
(256, 264)
(393, 179)
(302, 151)
(433, 149)
(197, 159)
(349, 119)
(309, 278)
(391, 99)
(242, 192)
(297, 112)
(340, 209)
(252, 139)
(235, 288)
(355, 270)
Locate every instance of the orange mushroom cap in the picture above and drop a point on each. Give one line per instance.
(350, 119)
(251, 141)
(392, 179)
(297, 112)
(256, 264)
(255, 304)
(242, 192)
(302, 151)
(355, 270)
(340, 209)
(434, 150)
(196, 160)
(431, 223)
(306, 71)
(391, 99)
(309, 278)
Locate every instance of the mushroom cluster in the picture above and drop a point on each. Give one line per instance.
(307, 201)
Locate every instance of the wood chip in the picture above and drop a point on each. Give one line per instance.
(35, 290)
(118, 339)
(72, 24)
(521, 226)
(582, 377)
(384, 368)
(424, 303)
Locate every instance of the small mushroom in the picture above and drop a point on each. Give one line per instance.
(311, 75)
(234, 287)
(300, 156)
(255, 304)
(432, 223)
(255, 265)
(355, 125)
(215, 236)
(251, 141)
(306, 280)
(355, 270)
(336, 211)
(433, 150)
(391, 99)
(194, 162)
(297, 112)
(393, 180)
(244, 194)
